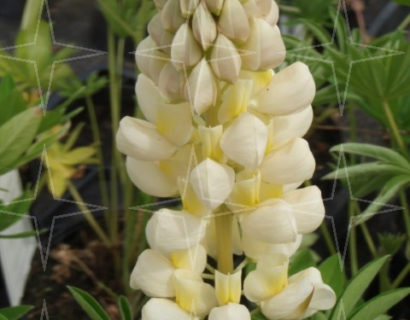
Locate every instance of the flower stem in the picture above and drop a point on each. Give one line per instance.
(223, 226)
(88, 215)
(394, 128)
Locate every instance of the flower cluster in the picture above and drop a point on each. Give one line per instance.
(224, 132)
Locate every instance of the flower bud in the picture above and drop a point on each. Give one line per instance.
(264, 48)
(171, 15)
(212, 182)
(201, 88)
(188, 7)
(233, 21)
(291, 90)
(244, 141)
(171, 82)
(203, 26)
(215, 6)
(185, 50)
(162, 37)
(225, 59)
(149, 59)
(291, 163)
(272, 16)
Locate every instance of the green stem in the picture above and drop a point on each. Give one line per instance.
(369, 239)
(328, 238)
(223, 226)
(394, 128)
(88, 215)
(97, 140)
(112, 68)
(405, 23)
(352, 242)
(406, 213)
(401, 276)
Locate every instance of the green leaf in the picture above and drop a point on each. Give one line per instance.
(391, 243)
(318, 316)
(332, 274)
(11, 213)
(403, 2)
(93, 309)
(389, 190)
(370, 168)
(356, 287)
(368, 150)
(17, 134)
(11, 100)
(125, 308)
(303, 259)
(14, 313)
(258, 316)
(3, 317)
(380, 304)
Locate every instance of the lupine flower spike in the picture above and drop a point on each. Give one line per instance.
(208, 92)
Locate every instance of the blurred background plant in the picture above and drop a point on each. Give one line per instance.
(359, 74)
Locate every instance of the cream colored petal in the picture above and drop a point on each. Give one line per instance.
(261, 79)
(174, 122)
(185, 51)
(149, 59)
(228, 287)
(225, 59)
(245, 193)
(273, 224)
(209, 138)
(256, 250)
(164, 309)
(190, 201)
(291, 163)
(291, 126)
(235, 100)
(257, 8)
(272, 16)
(188, 7)
(290, 303)
(149, 97)
(231, 311)
(192, 294)
(269, 278)
(177, 166)
(201, 87)
(162, 37)
(264, 48)
(291, 90)
(308, 208)
(323, 297)
(204, 26)
(153, 275)
(212, 182)
(171, 15)
(215, 6)
(141, 140)
(171, 82)
(233, 21)
(170, 230)
(148, 177)
(244, 141)
(193, 259)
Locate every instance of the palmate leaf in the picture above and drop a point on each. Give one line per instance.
(93, 309)
(356, 287)
(380, 304)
